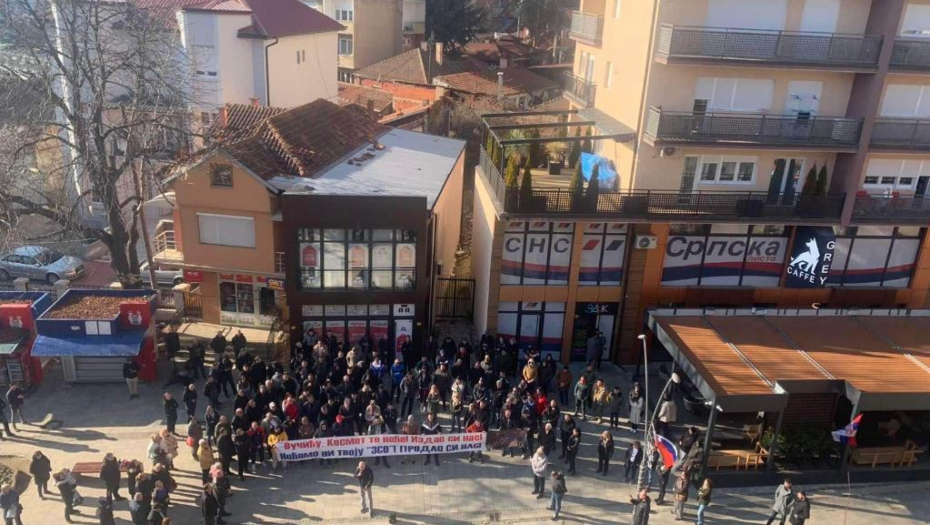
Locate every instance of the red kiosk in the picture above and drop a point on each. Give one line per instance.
(18, 313)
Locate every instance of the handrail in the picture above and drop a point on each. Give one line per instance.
(901, 133)
(891, 209)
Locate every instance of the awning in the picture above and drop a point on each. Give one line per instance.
(122, 344)
(748, 361)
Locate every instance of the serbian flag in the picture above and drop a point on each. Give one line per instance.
(668, 450)
(847, 436)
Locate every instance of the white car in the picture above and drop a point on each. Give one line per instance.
(40, 263)
(163, 277)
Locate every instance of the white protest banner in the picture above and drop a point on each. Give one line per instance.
(380, 445)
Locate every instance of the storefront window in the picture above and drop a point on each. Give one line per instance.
(533, 324)
(348, 323)
(602, 250)
(245, 298)
(874, 256)
(357, 259)
(266, 302)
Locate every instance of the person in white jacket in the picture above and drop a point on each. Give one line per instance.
(668, 414)
(540, 465)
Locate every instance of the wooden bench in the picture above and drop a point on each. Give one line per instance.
(899, 456)
(738, 458)
(88, 468)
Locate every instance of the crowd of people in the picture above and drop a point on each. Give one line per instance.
(330, 389)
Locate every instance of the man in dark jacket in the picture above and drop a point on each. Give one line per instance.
(218, 343)
(210, 506)
(171, 413)
(431, 427)
(641, 507)
(366, 478)
(110, 474)
(801, 509)
(131, 375)
(664, 472)
(139, 510)
(238, 343)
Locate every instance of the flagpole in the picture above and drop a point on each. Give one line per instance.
(649, 432)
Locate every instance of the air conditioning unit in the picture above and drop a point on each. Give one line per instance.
(666, 152)
(646, 242)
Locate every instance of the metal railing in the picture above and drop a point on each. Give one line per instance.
(769, 47)
(578, 89)
(166, 299)
(911, 54)
(165, 241)
(279, 259)
(901, 133)
(492, 176)
(587, 27)
(751, 129)
(891, 209)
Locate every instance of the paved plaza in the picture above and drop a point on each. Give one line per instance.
(100, 419)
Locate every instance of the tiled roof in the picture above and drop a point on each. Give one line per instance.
(270, 18)
(493, 51)
(516, 81)
(411, 67)
(303, 140)
(240, 117)
(380, 100)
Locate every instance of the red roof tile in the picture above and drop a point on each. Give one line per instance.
(516, 81)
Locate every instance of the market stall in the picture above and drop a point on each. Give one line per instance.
(18, 312)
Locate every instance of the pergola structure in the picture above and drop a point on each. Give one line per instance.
(749, 360)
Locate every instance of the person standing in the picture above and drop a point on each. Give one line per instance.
(16, 398)
(431, 427)
(239, 342)
(800, 510)
(67, 487)
(664, 473)
(613, 406)
(564, 382)
(205, 459)
(600, 343)
(218, 344)
(139, 510)
(110, 474)
(4, 421)
(41, 469)
(540, 465)
(558, 491)
(571, 450)
(641, 507)
(668, 414)
(605, 450)
(634, 457)
(366, 478)
(591, 350)
(105, 512)
(131, 375)
(209, 506)
(221, 490)
(171, 412)
(243, 451)
(582, 396)
(784, 497)
(9, 505)
(637, 406)
(190, 400)
(276, 436)
(682, 488)
(703, 499)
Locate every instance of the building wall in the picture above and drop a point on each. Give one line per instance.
(247, 198)
(485, 256)
(293, 83)
(377, 31)
(447, 217)
(234, 60)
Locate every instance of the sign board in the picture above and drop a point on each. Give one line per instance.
(404, 310)
(193, 276)
(811, 257)
(380, 445)
(275, 284)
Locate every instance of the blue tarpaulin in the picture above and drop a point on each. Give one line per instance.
(606, 175)
(121, 344)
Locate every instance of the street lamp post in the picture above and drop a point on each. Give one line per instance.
(649, 430)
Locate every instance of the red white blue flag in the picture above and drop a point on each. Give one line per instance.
(667, 450)
(847, 436)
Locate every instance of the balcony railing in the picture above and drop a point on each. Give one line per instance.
(165, 241)
(279, 262)
(751, 129)
(911, 55)
(901, 133)
(587, 27)
(579, 90)
(891, 209)
(750, 46)
(665, 205)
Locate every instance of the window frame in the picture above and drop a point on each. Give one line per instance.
(214, 169)
(200, 229)
(351, 45)
(738, 163)
(352, 238)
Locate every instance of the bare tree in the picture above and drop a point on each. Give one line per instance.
(112, 98)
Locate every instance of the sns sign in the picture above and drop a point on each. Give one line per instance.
(811, 257)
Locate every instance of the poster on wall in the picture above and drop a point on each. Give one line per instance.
(723, 260)
(511, 266)
(357, 330)
(378, 329)
(811, 257)
(403, 332)
(336, 329)
(316, 325)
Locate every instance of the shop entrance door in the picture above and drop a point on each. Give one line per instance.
(591, 318)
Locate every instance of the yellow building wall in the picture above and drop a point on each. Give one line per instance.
(448, 216)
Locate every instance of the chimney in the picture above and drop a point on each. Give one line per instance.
(500, 86)
(254, 102)
(224, 117)
(438, 53)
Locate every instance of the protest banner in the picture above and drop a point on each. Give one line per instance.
(380, 445)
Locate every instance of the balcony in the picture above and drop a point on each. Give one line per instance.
(648, 206)
(166, 250)
(587, 28)
(891, 209)
(668, 128)
(911, 55)
(749, 47)
(903, 134)
(578, 90)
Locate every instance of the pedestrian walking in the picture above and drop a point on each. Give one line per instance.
(558, 491)
(784, 497)
(16, 398)
(110, 474)
(800, 510)
(572, 448)
(539, 463)
(10, 505)
(703, 499)
(171, 412)
(210, 506)
(131, 375)
(634, 456)
(682, 489)
(366, 478)
(641, 507)
(40, 467)
(605, 451)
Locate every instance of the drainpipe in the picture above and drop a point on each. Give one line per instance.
(268, 74)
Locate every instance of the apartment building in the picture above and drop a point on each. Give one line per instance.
(414, 23)
(708, 118)
(373, 31)
(278, 53)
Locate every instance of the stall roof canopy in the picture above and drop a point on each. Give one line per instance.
(120, 344)
(748, 360)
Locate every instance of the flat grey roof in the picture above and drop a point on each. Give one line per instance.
(410, 164)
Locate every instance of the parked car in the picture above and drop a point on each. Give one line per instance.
(163, 276)
(40, 263)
